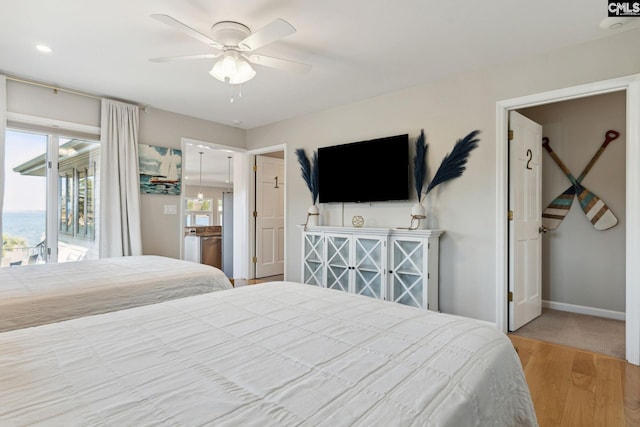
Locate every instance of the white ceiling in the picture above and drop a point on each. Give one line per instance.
(217, 166)
(358, 48)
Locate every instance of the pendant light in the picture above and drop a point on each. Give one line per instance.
(228, 170)
(200, 195)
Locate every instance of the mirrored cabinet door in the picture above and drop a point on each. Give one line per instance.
(313, 253)
(369, 265)
(408, 271)
(337, 261)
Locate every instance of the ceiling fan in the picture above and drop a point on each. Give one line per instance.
(235, 44)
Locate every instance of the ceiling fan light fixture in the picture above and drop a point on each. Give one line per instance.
(244, 74)
(235, 43)
(232, 68)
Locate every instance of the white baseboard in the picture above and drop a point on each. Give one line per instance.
(599, 312)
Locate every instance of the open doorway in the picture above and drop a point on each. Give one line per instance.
(582, 267)
(631, 85)
(207, 204)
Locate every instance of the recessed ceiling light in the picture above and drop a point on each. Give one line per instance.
(43, 48)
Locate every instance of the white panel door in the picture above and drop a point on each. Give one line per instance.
(525, 243)
(270, 216)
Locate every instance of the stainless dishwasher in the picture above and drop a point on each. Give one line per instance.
(211, 250)
(204, 249)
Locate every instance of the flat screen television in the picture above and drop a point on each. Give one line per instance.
(366, 171)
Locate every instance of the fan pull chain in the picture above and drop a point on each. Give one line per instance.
(232, 92)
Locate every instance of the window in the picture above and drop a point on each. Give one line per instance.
(66, 202)
(50, 198)
(85, 209)
(77, 201)
(198, 212)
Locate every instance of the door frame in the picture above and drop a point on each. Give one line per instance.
(630, 84)
(238, 185)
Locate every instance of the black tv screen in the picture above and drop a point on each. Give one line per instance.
(365, 171)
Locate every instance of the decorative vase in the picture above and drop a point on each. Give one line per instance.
(418, 217)
(313, 214)
(418, 211)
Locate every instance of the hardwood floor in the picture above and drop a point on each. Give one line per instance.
(572, 387)
(243, 282)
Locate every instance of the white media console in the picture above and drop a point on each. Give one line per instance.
(391, 264)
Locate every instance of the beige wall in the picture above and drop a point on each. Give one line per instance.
(583, 266)
(161, 233)
(47, 103)
(447, 110)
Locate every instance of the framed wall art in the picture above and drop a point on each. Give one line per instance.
(160, 169)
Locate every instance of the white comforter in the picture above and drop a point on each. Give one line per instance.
(38, 294)
(276, 354)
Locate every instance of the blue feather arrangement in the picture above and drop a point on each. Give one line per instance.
(309, 172)
(454, 163)
(420, 164)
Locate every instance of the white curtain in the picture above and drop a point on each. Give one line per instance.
(3, 132)
(119, 228)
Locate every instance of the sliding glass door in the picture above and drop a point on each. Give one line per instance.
(50, 198)
(24, 212)
(78, 163)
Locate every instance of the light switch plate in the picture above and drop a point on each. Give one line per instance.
(170, 209)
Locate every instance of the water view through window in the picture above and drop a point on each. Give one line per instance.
(29, 183)
(25, 201)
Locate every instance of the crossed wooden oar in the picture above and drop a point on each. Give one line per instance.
(596, 210)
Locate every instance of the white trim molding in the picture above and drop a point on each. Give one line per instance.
(630, 84)
(3, 132)
(239, 251)
(52, 123)
(580, 309)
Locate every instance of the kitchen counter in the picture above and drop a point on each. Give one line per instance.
(203, 231)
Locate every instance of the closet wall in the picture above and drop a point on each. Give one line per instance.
(582, 266)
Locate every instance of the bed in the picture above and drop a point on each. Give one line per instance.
(38, 294)
(275, 354)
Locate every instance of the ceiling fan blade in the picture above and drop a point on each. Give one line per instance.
(282, 64)
(186, 57)
(277, 29)
(174, 23)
